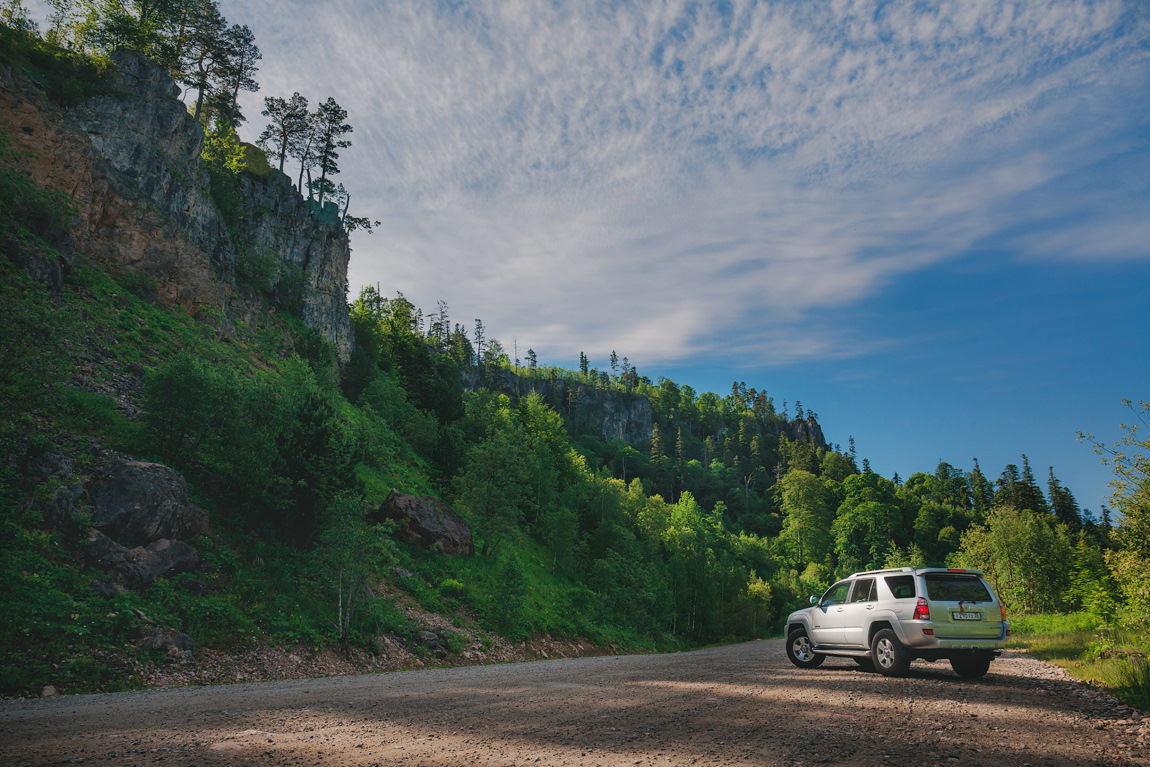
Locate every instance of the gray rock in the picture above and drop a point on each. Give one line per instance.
(427, 521)
(44, 466)
(138, 567)
(138, 502)
(276, 219)
(40, 266)
(62, 505)
(152, 146)
(174, 644)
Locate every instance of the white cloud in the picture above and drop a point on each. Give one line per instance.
(655, 176)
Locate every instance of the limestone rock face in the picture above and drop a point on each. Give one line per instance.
(611, 414)
(277, 220)
(137, 503)
(151, 148)
(427, 521)
(130, 161)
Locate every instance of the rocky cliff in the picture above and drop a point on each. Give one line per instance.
(613, 414)
(129, 159)
(607, 413)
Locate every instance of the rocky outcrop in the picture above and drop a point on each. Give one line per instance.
(428, 521)
(807, 430)
(130, 162)
(313, 245)
(137, 503)
(151, 147)
(137, 567)
(607, 413)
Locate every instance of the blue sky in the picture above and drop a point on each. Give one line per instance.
(929, 221)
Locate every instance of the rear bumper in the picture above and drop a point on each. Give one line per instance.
(917, 640)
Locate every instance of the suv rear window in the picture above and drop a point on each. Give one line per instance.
(901, 586)
(951, 587)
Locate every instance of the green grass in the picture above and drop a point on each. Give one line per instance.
(1105, 655)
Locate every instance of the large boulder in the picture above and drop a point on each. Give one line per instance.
(427, 521)
(137, 503)
(139, 566)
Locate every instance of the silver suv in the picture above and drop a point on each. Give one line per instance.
(887, 618)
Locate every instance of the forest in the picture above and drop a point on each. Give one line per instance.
(721, 515)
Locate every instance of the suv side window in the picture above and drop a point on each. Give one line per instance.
(901, 586)
(836, 594)
(864, 590)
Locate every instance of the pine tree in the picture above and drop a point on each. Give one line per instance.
(1030, 495)
(287, 124)
(614, 362)
(478, 342)
(236, 72)
(329, 129)
(981, 491)
(1062, 503)
(1007, 488)
(204, 51)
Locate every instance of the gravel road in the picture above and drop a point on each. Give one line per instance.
(739, 704)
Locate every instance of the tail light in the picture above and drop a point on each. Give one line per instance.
(921, 610)
(1002, 609)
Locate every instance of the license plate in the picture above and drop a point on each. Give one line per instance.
(966, 616)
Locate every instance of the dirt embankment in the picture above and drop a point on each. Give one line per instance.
(741, 704)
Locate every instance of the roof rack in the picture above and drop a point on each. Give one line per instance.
(882, 572)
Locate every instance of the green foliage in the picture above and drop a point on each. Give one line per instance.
(68, 77)
(1026, 557)
(224, 157)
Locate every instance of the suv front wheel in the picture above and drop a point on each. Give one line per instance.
(890, 657)
(801, 651)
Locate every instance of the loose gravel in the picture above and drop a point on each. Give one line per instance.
(732, 705)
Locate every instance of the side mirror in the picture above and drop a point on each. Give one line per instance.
(814, 600)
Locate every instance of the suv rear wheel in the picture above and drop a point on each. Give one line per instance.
(801, 651)
(972, 666)
(890, 657)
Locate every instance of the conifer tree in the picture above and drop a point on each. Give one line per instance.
(329, 129)
(1062, 503)
(236, 72)
(981, 491)
(287, 124)
(1030, 495)
(1007, 487)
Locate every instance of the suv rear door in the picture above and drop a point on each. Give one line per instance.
(961, 606)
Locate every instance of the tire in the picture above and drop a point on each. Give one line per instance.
(972, 666)
(801, 652)
(890, 658)
(865, 664)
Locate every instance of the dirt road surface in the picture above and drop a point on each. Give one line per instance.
(739, 704)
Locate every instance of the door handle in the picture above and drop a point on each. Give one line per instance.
(870, 607)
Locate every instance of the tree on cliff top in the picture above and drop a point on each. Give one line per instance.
(288, 122)
(329, 129)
